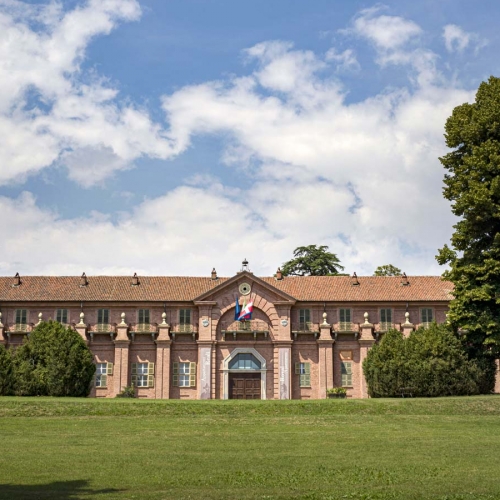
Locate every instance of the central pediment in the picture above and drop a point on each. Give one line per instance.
(246, 284)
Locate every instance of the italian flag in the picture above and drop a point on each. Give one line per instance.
(246, 311)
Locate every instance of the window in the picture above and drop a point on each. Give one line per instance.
(143, 316)
(245, 361)
(143, 374)
(426, 317)
(101, 374)
(345, 320)
(346, 370)
(21, 320)
(185, 320)
(304, 319)
(102, 320)
(304, 372)
(184, 374)
(385, 319)
(62, 316)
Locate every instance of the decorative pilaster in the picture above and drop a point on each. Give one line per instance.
(163, 344)
(122, 344)
(284, 371)
(366, 341)
(205, 369)
(407, 326)
(325, 355)
(2, 328)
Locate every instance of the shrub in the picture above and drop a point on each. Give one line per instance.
(127, 392)
(431, 362)
(55, 361)
(6, 372)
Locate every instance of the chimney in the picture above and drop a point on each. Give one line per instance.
(279, 274)
(17, 280)
(83, 280)
(404, 280)
(214, 274)
(354, 279)
(135, 280)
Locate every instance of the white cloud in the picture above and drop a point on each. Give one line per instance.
(385, 32)
(345, 60)
(48, 106)
(457, 40)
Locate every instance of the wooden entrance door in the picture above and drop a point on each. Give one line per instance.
(244, 386)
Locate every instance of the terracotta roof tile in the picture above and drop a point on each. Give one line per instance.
(183, 288)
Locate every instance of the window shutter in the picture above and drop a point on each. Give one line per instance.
(188, 316)
(297, 368)
(151, 368)
(134, 380)
(109, 369)
(151, 381)
(307, 380)
(342, 316)
(307, 368)
(192, 374)
(134, 369)
(104, 380)
(175, 370)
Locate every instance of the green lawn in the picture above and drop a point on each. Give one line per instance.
(445, 448)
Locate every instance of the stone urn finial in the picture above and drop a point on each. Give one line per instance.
(40, 315)
(1, 320)
(163, 317)
(122, 316)
(366, 318)
(324, 319)
(407, 318)
(82, 315)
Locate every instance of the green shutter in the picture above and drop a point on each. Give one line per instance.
(305, 380)
(175, 370)
(134, 368)
(21, 316)
(109, 369)
(104, 380)
(151, 368)
(342, 316)
(144, 316)
(151, 380)
(307, 368)
(134, 380)
(297, 368)
(192, 374)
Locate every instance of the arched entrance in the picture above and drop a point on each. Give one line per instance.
(244, 375)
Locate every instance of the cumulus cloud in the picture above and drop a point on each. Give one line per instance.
(345, 60)
(50, 111)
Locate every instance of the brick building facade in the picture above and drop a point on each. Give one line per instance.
(176, 337)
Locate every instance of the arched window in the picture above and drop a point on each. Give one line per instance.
(244, 361)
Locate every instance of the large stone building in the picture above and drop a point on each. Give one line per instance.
(176, 337)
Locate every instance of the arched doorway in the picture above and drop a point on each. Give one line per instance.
(244, 375)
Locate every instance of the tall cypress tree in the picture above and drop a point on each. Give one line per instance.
(472, 184)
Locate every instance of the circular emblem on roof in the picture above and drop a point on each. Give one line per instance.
(245, 289)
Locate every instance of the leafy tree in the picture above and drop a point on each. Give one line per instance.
(55, 361)
(387, 270)
(6, 372)
(472, 184)
(312, 260)
(431, 361)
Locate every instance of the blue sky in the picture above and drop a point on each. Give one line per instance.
(170, 137)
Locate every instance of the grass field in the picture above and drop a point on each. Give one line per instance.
(357, 449)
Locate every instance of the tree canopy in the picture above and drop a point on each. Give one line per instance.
(55, 361)
(431, 362)
(312, 260)
(387, 270)
(472, 184)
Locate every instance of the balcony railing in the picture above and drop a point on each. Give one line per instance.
(305, 328)
(254, 327)
(19, 328)
(346, 326)
(183, 329)
(102, 328)
(385, 326)
(144, 327)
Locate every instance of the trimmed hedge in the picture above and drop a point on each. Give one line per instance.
(54, 361)
(430, 362)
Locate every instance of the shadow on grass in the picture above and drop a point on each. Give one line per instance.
(58, 490)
